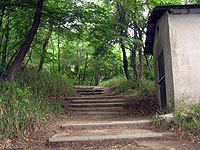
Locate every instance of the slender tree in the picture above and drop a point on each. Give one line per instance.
(123, 33)
(44, 51)
(85, 67)
(59, 54)
(15, 66)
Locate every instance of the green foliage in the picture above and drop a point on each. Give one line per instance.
(116, 81)
(29, 100)
(45, 83)
(84, 46)
(78, 28)
(123, 86)
(162, 122)
(149, 75)
(21, 109)
(186, 119)
(156, 119)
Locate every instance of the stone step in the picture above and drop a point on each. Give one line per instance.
(89, 87)
(98, 104)
(98, 101)
(90, 125)
(102, 135)
(90, 90)
(95, 97)
(99, 113)
(106, 109)
(89, 93)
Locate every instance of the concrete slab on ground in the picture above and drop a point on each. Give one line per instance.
(95, 97)
(98, 104)
(100, 113)
(98, 109)
(104, 134)
(76, 119)
(98, 100)
(68, 125)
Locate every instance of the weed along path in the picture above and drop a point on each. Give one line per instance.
(98, 120)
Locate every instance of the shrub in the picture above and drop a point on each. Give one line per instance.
(45, 83)
(186, 119)
(121, 85)
(30, 100)
(20, 109)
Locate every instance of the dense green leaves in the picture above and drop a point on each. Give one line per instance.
(85, 36)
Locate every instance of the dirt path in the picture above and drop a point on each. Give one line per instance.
(108, 131)
(37, 140)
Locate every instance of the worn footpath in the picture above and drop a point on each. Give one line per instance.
(100, 121)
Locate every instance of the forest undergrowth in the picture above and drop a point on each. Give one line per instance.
(185, 119)
(120, 85)
(30, 100)
(142, 99)
(144, 103)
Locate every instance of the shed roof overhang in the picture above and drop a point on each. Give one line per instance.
(156, 15)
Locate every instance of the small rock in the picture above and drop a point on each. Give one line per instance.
(167, 117)
(171, 149)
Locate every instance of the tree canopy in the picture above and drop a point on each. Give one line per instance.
(88, 41)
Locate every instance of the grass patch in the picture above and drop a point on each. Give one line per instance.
(30, 100)
(116, 81)
(185, 119)
(120, 85)
(188, 120)
(45, 83)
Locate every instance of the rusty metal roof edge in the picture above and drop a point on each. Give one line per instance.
(157, 12)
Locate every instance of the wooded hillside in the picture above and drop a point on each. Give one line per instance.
(86, 41)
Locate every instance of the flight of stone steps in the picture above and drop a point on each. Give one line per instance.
(90, 90)
(94, 101)
(100, 122)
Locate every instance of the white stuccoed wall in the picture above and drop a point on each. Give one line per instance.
(162, 43)
(184, 33)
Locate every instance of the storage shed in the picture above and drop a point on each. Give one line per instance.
(173, 37)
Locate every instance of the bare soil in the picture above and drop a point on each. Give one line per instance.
(37, 139)
(143, 108)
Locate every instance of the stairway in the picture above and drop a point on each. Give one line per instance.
(94, 101)
(99, 121)
(90, 90)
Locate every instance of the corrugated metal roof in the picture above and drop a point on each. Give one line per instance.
(155, 16)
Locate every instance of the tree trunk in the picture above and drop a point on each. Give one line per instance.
(29, 58)
(44, 50)
(84, 72)
(96, 79)
(105, 74)
(1, 20)
(53, 65)
(140, 57)
(123, 33)
(91, 81)
(141, 64)
(148, 63)
(125, 61)
(58, 54)
(52, 61)
(96, 76)
(15, 66)
(2, 14)
(2, 37)
(133, 63)
(133, 58)
(79, 67)
(5, 43)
